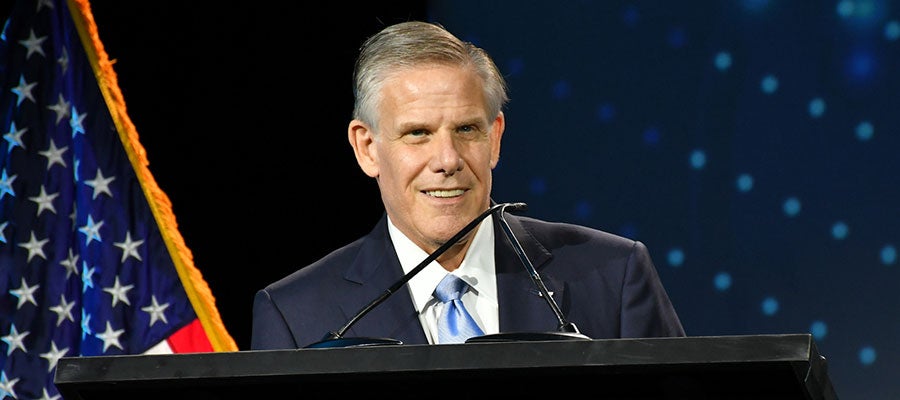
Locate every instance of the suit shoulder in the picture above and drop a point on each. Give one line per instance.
(556, 234)
(319, 270)
(328, 268)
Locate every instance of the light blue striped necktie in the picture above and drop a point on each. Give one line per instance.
(455, 324)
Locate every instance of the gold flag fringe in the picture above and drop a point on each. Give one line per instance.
(196, 287)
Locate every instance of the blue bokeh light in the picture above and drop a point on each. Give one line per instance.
(867, 355)
(816, 107)
(861, 14)
(722, 60)
(888, 255)
(515, 67)
(606, 112)
(583, 210)
(892, 30)
(629, 230)
(839, 230)
(744, 183)
(651, 136)
(677, 38)
(562, 90)
(538, 186)
(755, 5)
(864, 131)
(791, 206)
(698, 159)
(769, 84)
(770, 306)
(844, 8)
(819, 329)
(861, 66)
(675, 257)
(631, 16)
(722, 281)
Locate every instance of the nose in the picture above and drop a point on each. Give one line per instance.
(448, 159)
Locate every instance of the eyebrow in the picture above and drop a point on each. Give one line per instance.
(409, 126)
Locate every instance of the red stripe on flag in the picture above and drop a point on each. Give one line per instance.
(190, 339)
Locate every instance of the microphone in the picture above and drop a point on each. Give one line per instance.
(337, 339)
(565, 331)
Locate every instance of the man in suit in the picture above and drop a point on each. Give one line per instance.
(427, 126)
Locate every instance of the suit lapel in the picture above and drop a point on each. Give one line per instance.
(523, 309)
(375, 270)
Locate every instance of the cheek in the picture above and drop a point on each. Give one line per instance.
(483, 156)
(402, 166)
(404, 159)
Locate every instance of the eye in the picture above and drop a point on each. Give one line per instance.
(471, 131)
(415, 136)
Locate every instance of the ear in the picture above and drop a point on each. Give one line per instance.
(363, 142)
(496, 134)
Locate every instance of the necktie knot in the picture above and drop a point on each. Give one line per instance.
(450, 288)
(455, 325)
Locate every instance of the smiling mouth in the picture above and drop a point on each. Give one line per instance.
(445, 193)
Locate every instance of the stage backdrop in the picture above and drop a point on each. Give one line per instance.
(752, 145)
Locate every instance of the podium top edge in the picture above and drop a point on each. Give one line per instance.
(690, 350)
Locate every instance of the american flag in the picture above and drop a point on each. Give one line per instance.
(91, 260)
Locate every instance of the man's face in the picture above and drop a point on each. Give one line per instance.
(434, 151)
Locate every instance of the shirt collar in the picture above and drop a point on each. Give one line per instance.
(477, 267)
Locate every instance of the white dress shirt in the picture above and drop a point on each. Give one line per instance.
(477, 269)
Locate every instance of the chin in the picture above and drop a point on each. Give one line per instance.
(448, 225)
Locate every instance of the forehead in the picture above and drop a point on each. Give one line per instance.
(433, 85)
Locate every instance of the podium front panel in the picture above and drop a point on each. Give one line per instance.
(714, 367)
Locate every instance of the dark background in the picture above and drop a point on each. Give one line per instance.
(752, 145)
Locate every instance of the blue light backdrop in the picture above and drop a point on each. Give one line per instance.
(752, 145)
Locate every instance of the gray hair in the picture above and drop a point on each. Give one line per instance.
(415, 43)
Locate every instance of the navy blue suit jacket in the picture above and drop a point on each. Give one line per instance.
(605, 284)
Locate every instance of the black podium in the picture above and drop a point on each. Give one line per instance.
(713, 367)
